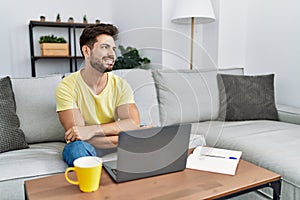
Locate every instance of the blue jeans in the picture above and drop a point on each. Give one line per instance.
(77, 149)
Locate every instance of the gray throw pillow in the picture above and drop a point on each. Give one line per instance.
(247, 97)
(186, 96)
(11, 136)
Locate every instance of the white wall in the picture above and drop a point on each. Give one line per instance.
(261, 35)
(232, 33)
(15, 17)
(176, 40)
(273, 45)
(139, 23)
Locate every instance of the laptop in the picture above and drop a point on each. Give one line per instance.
(149, 152)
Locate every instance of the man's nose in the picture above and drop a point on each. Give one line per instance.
(111, 52)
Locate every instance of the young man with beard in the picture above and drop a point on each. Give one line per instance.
(93, 104)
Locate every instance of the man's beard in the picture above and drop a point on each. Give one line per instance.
(100, 66)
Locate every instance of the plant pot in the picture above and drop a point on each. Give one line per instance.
(42, 18)
(55, 49)
(71, 20)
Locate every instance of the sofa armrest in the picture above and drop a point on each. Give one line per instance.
(288, 114)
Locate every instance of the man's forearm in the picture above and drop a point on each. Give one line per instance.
(106, 135)
(76, 129)
(103, 135)
(114, 128)
(104, 142)
(86, 133)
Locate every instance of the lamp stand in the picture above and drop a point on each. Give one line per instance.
(192, 43)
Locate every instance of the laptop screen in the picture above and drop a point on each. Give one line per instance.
(152, 151)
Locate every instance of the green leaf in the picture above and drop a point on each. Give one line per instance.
(51, 39)
(130, 58)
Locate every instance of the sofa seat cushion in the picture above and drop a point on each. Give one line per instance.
(273, 145)
(39, 159)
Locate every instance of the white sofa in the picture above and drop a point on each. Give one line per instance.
(194, 98)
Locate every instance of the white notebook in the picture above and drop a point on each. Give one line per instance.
(214, 160)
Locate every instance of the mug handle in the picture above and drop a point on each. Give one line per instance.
(67, 177)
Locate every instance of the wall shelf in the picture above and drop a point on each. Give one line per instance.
(57, 57)
(71, 28)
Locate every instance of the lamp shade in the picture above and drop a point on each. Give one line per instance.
(200, 10)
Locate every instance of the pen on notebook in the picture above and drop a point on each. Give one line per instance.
(215, 156)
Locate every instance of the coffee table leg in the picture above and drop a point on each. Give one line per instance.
(276, 185)
(25, 193)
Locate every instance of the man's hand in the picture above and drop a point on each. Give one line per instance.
(80, 133)
(101, 134)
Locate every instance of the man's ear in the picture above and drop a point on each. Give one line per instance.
(86, 50)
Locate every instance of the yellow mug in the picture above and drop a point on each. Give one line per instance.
(88, 172)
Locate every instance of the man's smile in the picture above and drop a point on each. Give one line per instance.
(108, 61)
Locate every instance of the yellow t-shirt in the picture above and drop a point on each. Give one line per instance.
(72, 92)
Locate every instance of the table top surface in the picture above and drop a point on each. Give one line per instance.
(187, 184)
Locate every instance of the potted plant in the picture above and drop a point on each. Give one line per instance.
(84, 19)
(53, 46)
(42, 18)
(130, 58)
(71, 20)
(97, 21)
(58, 18)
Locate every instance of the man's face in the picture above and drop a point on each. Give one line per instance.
(102, 57)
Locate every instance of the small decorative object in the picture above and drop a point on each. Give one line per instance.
(98, 21)
(84, 19)
(58, 18)
(42, 18)
(130, 58)
(53, 46)
(71, 20)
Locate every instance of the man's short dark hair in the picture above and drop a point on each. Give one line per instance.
(90, 33)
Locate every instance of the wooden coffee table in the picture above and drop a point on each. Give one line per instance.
(187, 184)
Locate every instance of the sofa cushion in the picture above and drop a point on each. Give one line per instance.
(188, 95)
(35, 100)
(39, 159)
(247, 97)
(270, 144)
(11, 136)
(289, 114)
(142, 84)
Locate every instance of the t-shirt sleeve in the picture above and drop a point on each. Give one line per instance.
(125, 93)
(64, 97)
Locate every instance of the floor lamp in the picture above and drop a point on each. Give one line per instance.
(193, 12)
